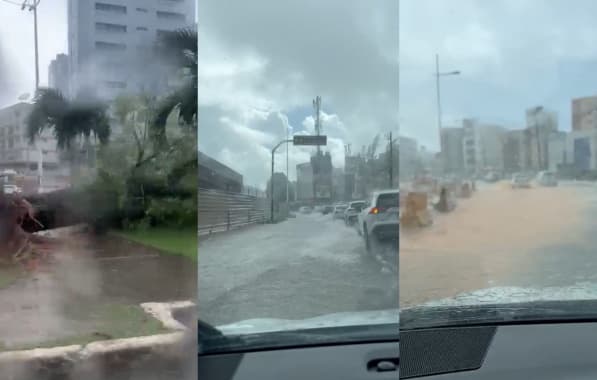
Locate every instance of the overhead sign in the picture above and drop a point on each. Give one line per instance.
(309, 140)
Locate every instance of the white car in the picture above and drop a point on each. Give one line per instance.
(339, 211)
(520, 181)
(380, 218)
(11, 189)
(352, 212)
(547, 178)
(305, 210)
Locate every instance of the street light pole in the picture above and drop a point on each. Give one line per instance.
(36, 45)
(33, 7)
(439, 105)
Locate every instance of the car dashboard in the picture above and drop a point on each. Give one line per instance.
(362, 361)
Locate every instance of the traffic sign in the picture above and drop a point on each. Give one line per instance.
(309, 140)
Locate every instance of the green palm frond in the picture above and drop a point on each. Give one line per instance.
(68, 120)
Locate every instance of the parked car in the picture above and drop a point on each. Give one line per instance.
(547, 178)
(352, 212)
(380, 218)
(305, 210)
(327, 210)
(339, 210)
(521, 181)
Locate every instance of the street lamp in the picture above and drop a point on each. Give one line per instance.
(32, 7)
(438, 74)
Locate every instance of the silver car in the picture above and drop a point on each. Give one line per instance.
(547, 178)
(352, 212)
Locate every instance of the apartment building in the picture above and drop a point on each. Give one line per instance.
(110, 43)
(15, 151)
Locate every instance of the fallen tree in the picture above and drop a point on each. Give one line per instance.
(18, 246)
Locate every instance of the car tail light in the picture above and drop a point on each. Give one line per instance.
(375, 211)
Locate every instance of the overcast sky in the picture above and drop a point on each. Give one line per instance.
(262, 62)
(513, 54)
(17, 54)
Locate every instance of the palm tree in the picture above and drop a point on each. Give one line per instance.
(179, 49)
(70, 121)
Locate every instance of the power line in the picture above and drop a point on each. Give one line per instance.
(12, 2)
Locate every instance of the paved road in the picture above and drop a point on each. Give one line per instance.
(540, 237)
(303, 267)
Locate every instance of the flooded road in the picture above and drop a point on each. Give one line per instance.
(304, 267)
(503, 237)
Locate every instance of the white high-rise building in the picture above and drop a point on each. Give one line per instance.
(110, 43)
(58, 74)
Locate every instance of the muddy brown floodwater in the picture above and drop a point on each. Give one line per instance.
(485, 239)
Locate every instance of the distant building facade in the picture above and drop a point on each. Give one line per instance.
(217, 176)
(304, 181)
(15, 151)
(452, 151)
(540, 124)
(584, 113)
(58, 74)
(110, 43)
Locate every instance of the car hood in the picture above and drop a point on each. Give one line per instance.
(506, 304)
(263, 325)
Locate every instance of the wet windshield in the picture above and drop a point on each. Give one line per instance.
(507, 112)
(296, 113)
(98, 162)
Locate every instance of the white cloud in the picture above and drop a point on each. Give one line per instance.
(510, 53)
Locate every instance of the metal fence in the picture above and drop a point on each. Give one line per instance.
(220, 211)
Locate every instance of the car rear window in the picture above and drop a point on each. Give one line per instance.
(385, 201)
(358, 206)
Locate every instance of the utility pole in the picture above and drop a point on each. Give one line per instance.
(32, 7)
(391, 157)
(318, 160)
(287, 177)
(439, 104)
(317, 107)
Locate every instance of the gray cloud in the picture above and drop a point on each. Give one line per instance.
(278, 56)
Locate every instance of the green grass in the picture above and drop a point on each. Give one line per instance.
(169, 240)
(108, 321)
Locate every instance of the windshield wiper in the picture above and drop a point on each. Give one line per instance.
(498, 314)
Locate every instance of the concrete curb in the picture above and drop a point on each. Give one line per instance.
(75, 355)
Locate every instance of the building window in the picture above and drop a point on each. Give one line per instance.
(109, 46)
(141, 28)
(115, 84)
(171, 15)
(110, 8)
(106, 27)
(144, 10)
